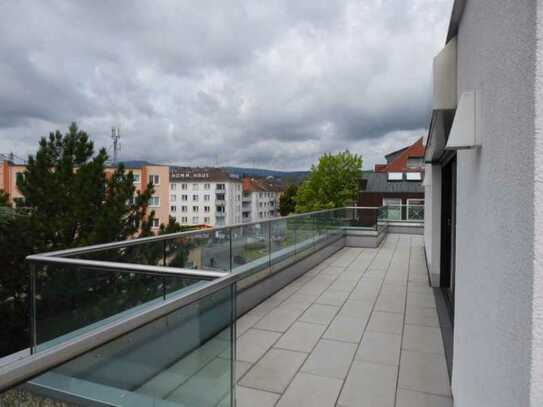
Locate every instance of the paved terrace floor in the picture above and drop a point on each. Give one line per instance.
(361, 329)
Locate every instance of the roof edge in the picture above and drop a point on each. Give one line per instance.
(456, 17)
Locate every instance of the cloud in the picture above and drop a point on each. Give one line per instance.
(273, 84)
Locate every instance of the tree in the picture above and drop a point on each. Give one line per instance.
(68, 201)
(4, 198)
(287, 203)
(332, 183)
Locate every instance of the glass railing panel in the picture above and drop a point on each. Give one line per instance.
(71, 299)
(184, 358)
(148, 253)
(203, 250)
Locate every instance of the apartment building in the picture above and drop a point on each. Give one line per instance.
(9, 172)
(205, 196)
(397, 184)
(260, 199)
(143, 174)
(484, 200)
(158, 175)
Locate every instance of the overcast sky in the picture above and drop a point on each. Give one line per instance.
(266, 83)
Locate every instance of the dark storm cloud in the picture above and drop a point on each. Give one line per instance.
(271, 83)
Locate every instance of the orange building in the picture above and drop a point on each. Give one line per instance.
(143, 174)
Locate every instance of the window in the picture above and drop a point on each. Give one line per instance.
(154, 179)
(413, 176)
(183, 186)
(184, 219)
(184, 197)
(415, 162)
(194, 209)
(184, 208)
(154, 201)
(195, 187)
(206, 219)
(173, 208)
(173, 197)
(395, 176)
(156, 223)
(195, 198)
(206, 197)
(136, 178)
(173, 187)
(220, 187)
(206, 208)
(195, 219)
(207, 186)
(392, 208)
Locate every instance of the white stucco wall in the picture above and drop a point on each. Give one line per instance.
(432, 221)
(536, 393)
(495, 212)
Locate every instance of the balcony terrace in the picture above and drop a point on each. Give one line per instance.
(275, 313)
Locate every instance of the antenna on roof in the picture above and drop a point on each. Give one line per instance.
(116, 136)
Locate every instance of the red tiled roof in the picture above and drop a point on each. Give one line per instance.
(399, 164)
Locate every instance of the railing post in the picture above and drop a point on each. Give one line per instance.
(230, 260)
(269, 243)
(33, 322)
(233, 336)
(164, 264)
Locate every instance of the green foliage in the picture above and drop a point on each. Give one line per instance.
(4, 198)
(68, 201)
(332, 183)
(287, 203)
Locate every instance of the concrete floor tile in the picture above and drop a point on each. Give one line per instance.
(274, 371)
(311, 391)
(254, 343)
(390, 303)
(246, 322)
(330, 359)
(241, 368)
(421, 316)
(301, 336)
(369, 384)
(357, 309)
(422, 339)
(378, 347)
(424, 372)
(386, 322)
(246, 397)
(280, 318)
(346, 329)
(409, 398)
(319, 314)
(333, 297)
(421, 300)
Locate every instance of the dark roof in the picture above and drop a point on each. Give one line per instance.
(390, 156)
(378, 182)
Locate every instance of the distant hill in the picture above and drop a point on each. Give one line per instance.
(290, 176)
(285, 176)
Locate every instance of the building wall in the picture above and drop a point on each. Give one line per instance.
(536, 393)
(495, 216)
(232, 194)
(161, 190)
(432, 221)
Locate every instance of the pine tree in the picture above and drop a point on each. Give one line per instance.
(69, 200)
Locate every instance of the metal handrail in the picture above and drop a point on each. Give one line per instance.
(31, 366)
(129, 267)
(40, 362)
(133, 242)
(26, 368)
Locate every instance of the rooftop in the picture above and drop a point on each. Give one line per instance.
(296, 311)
